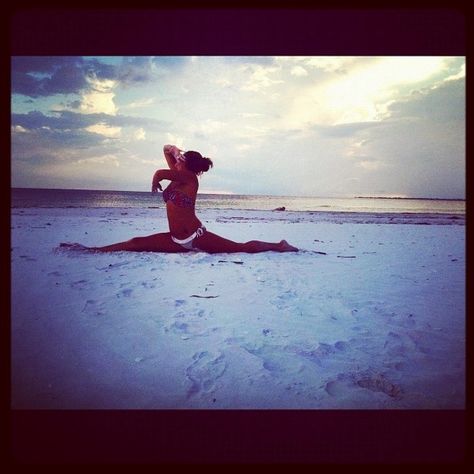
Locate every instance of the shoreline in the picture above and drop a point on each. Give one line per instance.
(415, 218)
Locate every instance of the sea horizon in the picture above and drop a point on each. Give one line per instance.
(214, 193)
(85, 198)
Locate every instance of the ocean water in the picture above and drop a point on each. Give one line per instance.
(72, 198)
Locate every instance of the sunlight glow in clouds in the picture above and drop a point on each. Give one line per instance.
(321, 126)
(100, 98)
(105, 130)
(362, 95)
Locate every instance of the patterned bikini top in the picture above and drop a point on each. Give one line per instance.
(178, 198)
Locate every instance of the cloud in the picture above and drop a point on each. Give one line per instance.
(324, 65)
(259, 77)
(208, 128)
(105, 130)
(99, 98)
(223, 82)
(442, 102)
(65, 80)
(139, 134)
(298, 71)
(419, 150)
(370, 164)
(36, 134)
(344, 130)
(51, 139)
(63, 120)
(173, 139)
(247, 115)
(103, 159)
(44, 76)
(135, 70)
(141, 103)
(361, 94)
(461, 74)
(98, 103)
(240, 60)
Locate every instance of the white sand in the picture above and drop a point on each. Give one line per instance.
(378, 322)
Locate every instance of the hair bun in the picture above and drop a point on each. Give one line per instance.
(196, 162)
(207, 163)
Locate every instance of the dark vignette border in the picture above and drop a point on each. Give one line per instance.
(236, 436)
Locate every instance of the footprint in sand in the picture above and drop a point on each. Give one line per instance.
(112, 266)
(188, 323)
(419, 338)
(394, 345)
(127, 292)
(378, 383)
(324, 351)
(94, 308)
(148, 285)
(341, 345)
(178, 328)
(204, 372)
(235, 341)
(56, 274)
(374, 382)
(335, 388)
(277, 360)
(284, 300)
(80, 285)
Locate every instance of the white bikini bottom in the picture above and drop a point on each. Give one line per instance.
(188, 242)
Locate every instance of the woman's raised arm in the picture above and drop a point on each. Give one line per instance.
(172, 155)
(171, 175)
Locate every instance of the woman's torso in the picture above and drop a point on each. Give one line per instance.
(180, 208)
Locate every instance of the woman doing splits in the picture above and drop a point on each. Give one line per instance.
(186, 232)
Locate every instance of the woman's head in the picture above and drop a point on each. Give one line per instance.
(196, 163)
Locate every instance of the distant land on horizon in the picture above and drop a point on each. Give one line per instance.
(410, 198)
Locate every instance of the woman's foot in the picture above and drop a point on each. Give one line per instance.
(75, 246)
(284, 246)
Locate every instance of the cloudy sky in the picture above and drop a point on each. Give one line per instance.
(313, 126)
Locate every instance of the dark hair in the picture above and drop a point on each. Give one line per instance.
(196, 163)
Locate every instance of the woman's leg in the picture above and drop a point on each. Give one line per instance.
(153, 243)
(213, 243)
(208, 242)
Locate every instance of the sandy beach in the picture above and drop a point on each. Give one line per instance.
(370, 314)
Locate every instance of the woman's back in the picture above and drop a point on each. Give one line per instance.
(180, 201)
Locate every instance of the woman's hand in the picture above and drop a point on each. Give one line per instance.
(172, 155)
